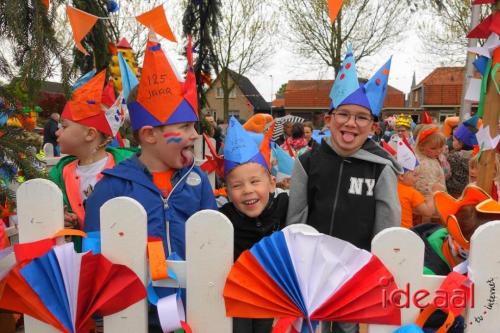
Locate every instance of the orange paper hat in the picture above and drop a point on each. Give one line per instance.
(86, 107)
(258, 122)
(447, 207)
(161, 98)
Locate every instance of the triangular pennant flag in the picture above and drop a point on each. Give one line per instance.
(81, 23)
(129, 80)
(492, 43)
(376, 88)
(480, 63)
(333, 9)
(487, 26)
(156, 20)
(46, 3)
(346, 81)
(190, 91)
(484, 87)
(405, 156)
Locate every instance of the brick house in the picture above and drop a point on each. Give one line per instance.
(439, 93)
(244, 99)
(310, 99)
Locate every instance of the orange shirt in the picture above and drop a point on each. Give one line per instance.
(163, 180)
(409, 198)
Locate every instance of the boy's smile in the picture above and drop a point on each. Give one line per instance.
(248, 187)
(350, 126)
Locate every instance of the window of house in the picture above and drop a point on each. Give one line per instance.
(220, 93)
(415, 96)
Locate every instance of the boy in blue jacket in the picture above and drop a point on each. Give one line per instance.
(162, 177)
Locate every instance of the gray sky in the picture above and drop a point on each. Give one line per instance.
(408, 56)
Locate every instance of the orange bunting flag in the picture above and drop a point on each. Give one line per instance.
(46, 3)
(81, 23)
(333, 9)
(156, 20)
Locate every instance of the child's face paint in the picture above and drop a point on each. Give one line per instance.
(174, 137)
(176, 146)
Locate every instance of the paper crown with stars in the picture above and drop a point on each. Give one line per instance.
(240, 147)
(347, 90)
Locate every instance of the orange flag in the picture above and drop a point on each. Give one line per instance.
(81, 23)
(46, 3)
(333, 9)
(156, 20)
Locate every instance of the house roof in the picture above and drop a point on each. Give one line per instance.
(446, 76)
(251, 93)
(443, 86)
(316, 94)
(279, 102)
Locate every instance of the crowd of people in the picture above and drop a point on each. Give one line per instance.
(367, 175)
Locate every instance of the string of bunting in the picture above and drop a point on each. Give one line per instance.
(82, 22)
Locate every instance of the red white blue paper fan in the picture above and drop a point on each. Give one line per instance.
(295, 275)
(64, 288)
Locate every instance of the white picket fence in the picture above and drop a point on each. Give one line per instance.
(209, 256)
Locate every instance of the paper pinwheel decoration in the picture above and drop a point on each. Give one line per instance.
(303, 278)
(64, 289)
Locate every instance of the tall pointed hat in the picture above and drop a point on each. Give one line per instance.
(161, 98)
(241, 148)
(347, 90)
(89, 106)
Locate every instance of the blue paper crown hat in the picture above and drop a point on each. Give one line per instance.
(347, 90)
(240, 148)
(466, 132)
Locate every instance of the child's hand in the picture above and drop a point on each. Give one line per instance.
(437, 187)
(70, 219)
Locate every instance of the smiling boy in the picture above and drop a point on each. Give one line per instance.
(348, 187)
(254, 209)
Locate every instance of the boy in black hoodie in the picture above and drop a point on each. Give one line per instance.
(254, 209)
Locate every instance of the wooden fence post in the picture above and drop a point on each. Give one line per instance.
(123, 241)
(209, 257)
(40, 214)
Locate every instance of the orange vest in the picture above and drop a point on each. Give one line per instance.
(72, 184)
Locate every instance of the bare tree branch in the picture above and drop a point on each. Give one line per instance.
(368, 25)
